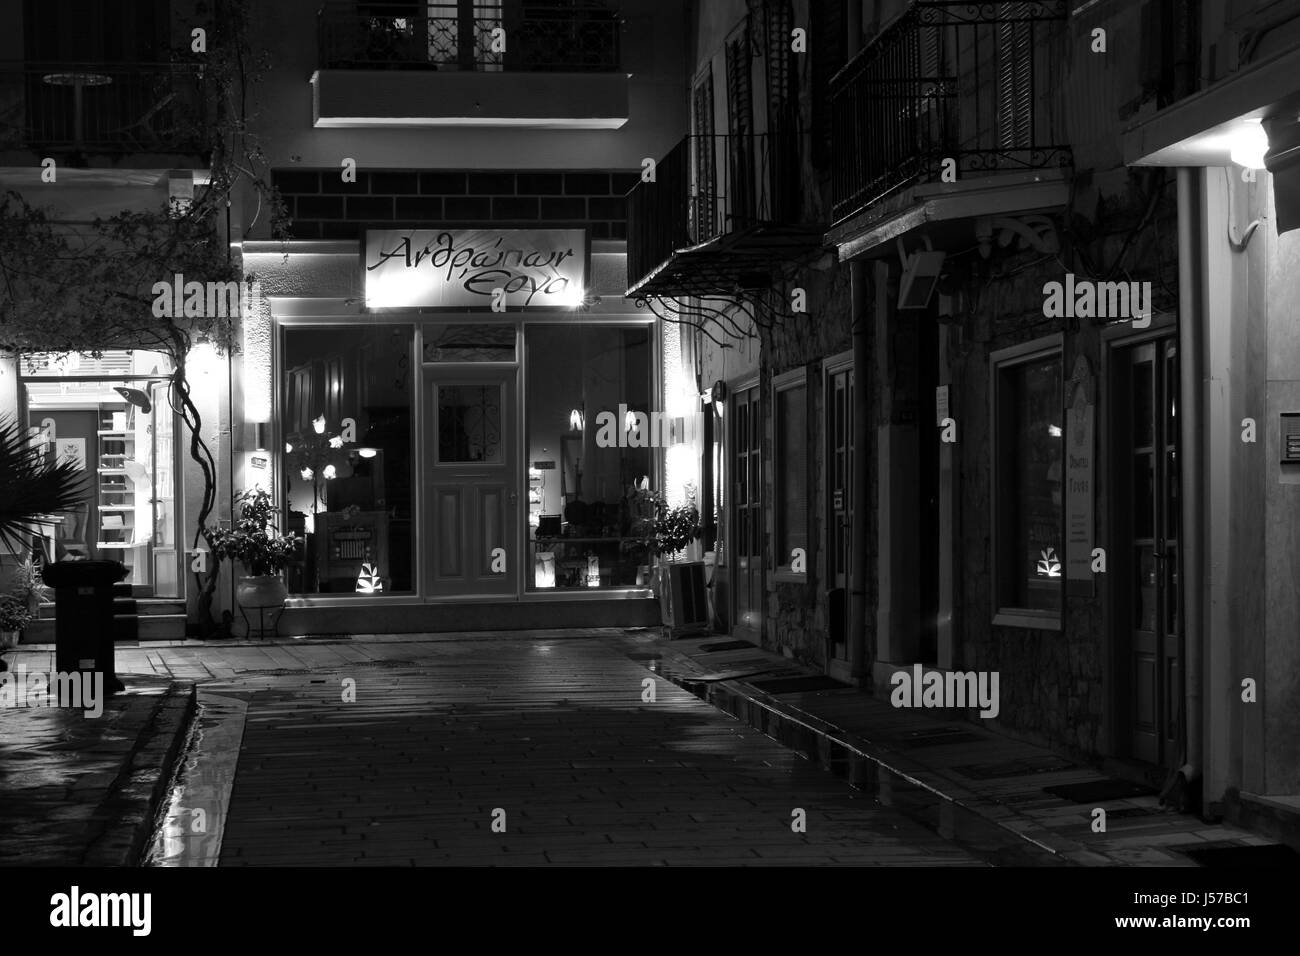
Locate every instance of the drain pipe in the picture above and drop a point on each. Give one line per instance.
(857, 609)
(1191, 342)
(857, 616)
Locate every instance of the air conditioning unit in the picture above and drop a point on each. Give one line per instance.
(684, 599)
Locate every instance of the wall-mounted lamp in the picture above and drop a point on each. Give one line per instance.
(136, 397)
(1249, 144)
(318, 423)
(577, 420)
(262, 436)
(920, 275)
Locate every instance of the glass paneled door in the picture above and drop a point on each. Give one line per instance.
(471, 485)
(746, 533)
(1148, 616)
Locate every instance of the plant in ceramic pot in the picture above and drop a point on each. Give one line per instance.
(256, 543)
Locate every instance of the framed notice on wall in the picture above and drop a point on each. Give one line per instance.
(72, 451)
(458, 269)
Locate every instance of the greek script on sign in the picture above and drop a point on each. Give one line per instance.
(468, 268)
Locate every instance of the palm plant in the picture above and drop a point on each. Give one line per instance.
(31, 486)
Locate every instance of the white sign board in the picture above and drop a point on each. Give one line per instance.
(475, 268)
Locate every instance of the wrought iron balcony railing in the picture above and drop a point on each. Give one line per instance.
(473, 35)
(102, 108)
(709, 187)
(947, 80)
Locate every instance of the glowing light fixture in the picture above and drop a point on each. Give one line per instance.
(336, 441)
(288, 448)
(577, 420)
(1249, 144)
(330, 472)
(367, 452)
(1054, 431)
(306, 474)
(318, 423)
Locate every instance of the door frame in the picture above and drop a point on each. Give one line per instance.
(737, 629)
(23, 409)
(468, 373)
(833, 366)
(1114, 339)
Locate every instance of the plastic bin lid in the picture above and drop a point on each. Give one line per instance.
(71, 574)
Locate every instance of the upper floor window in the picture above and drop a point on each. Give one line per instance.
(481, 35)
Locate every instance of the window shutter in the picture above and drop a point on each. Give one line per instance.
(1015, 104)
(705, 174)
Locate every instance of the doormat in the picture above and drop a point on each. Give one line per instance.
(1096, 791)
(728, 646)
(1124, 813)
(942, 738)
(798, 685)
(1272, 856)
(1014, 768)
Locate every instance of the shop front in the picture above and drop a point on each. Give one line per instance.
(474, 440)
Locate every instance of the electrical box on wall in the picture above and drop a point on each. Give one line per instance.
(1290, 438)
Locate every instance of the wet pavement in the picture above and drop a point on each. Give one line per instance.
(78, 790)
(1048, 800)
(552, 741)
(407, 749)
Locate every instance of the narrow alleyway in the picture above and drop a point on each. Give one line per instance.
(555, 733)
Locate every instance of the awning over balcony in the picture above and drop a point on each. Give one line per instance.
(731, 264)
(721, 217)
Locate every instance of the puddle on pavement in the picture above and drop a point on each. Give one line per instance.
(190, 830)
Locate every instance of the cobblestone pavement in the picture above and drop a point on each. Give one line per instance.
(553, 737)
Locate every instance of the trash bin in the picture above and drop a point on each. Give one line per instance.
(83, 617)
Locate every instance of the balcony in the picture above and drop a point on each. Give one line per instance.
(471, 63)
(723, 215)
(79, 110)
(946, 80)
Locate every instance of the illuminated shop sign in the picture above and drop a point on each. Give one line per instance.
(475, 268)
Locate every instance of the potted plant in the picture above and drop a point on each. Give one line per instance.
(674, 530)
(256, 542)
(29, 586)
(14, 616)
